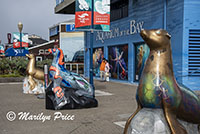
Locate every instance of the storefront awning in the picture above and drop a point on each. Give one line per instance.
(65, 7)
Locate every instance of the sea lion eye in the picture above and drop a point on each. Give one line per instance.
(158, 32)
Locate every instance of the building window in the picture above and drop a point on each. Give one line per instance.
(98, 55)
(38, 58)
(53, 31)
(119, 9)
(118, 60)
(194, 53)
(141, 55)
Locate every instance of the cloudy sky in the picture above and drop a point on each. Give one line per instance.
(36, 15)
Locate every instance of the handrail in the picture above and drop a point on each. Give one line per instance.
(79, 67)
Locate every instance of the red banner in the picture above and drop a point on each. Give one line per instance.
(100, 19)
(17, 44)
(2, 51)
(83, 18)
(101, 14)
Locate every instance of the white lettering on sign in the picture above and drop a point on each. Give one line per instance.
(18, 51)
(43, 52)
(134, 28)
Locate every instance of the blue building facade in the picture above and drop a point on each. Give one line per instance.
(125, 49)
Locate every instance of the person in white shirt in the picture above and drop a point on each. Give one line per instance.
(107, 69)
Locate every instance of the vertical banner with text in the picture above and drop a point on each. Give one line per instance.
(101, 15)
(16, 40)
(83, 14)
(2, 52)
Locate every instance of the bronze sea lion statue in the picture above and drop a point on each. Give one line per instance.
(159, 89)
(33, 72)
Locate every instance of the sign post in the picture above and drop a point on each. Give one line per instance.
(20, 45)
(92, 15)
(91, 50)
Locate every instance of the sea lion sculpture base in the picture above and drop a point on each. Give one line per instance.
(38, 88)
(152, 121)
(159, 89)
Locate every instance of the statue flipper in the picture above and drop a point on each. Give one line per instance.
(131, 117)
(174, 125)
(31, 82)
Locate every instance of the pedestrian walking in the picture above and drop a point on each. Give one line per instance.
(107, 69)
(102, 69)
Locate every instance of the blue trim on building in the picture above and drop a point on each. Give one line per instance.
(131, 59)
(191, 21)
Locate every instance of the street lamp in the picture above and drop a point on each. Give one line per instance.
(20, 27)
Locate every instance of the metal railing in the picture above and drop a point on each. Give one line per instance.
(75, 67)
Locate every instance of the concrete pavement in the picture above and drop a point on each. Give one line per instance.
(116, 103)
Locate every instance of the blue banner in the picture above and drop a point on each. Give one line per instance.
(16, 52)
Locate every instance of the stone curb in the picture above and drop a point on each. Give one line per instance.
(11, 79)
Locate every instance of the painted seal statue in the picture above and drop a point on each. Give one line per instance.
(67, 90)
(159, 89)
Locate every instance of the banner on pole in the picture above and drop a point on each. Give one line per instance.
(83, 14)
(16, 40)
(101, 15)
(2, 50)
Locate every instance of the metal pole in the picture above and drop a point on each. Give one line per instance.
(70, 65)
(91, 58)
(20, 27)
(20, 41)
(91, 49)
(77, 68)
(46, 82)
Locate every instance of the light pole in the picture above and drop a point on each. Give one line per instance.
(20, 27)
